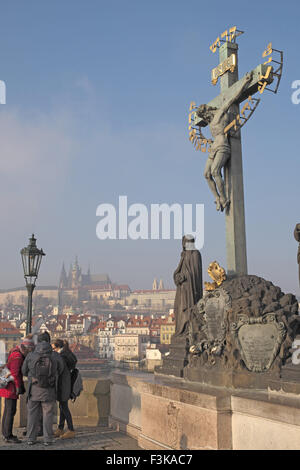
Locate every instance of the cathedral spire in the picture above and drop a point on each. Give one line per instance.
(76, 265)
(63, 277)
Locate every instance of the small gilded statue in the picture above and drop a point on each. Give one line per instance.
(218, 275)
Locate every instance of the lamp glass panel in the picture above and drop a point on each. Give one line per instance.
(25, 264)
(31, 265)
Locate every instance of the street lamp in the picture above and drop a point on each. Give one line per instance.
(31, 259)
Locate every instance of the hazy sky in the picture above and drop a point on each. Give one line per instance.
(97, 105)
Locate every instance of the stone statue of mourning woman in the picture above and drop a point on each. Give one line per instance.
(188, 281)
(297, 238)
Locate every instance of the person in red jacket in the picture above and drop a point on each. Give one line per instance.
(14, 388)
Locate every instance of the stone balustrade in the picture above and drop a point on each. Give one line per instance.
(170, 413)
(91, 408)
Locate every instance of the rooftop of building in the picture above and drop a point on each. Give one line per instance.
(139, 322)
(7, 329)
(85, 354)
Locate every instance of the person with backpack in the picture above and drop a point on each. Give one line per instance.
(64, 389)
(14, 389)
(43, 367)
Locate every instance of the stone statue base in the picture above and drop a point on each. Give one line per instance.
(177, 360)
(289, 380)
(239, 335)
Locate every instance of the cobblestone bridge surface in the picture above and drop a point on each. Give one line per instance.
(87, 438)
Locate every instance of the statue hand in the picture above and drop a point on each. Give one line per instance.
(177, 279)
(181, 278)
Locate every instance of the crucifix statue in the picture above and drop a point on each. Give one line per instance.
(225, 119)
(220, 151)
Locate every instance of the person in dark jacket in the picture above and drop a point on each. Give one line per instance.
(41, 397)
(64, 389)
(14, 388)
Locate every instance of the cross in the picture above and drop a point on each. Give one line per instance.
(233, 170)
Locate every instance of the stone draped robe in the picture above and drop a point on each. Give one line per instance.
(297, 238)
(188, 279)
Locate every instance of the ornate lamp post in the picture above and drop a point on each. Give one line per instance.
(31, 259)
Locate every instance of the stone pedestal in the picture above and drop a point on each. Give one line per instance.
(241, 335)
(176, 418)
(125, 405)
(175, 362)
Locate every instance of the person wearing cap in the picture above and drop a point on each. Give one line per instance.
(14, 388)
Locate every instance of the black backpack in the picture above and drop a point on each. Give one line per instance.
(43, 372)
(76, 384)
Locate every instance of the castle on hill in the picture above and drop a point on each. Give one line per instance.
(76, 279)
(77, 286)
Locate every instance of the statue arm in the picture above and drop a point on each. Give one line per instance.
(178, 277)
(227, 103)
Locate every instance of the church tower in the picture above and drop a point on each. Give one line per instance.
(154, 285)
(161, 285)
(70, 276)
(76, 275)
(63, 281)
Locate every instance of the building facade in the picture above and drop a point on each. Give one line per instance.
(10, 336)
(129, 346)
(153, 299)
(167, 329)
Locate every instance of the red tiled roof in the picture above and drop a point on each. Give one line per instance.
(100, 326)
(71, 318)
(7, 328)
(168, 321)
(82, 352)
(137, 323)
